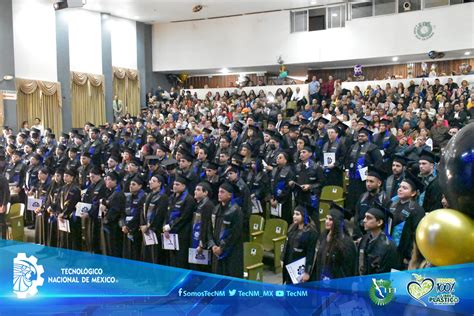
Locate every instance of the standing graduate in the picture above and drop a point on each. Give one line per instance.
(41, 218)
(69, 196)
(51, 208)
(94, 193)
(335, 252)
(152, 217)
(201, 222)
(178, 221)
(334, 171)
(225, 238)
(406, 216)
(280, 188)
(112, 208)
(130, 223)
(300, 243)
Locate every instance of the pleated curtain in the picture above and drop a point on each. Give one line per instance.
(126, 85)
(40, 99)
(88, 99)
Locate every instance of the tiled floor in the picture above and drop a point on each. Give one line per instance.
(268, 275)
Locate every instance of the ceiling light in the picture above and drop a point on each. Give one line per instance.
(334, 14)
(395, 58)
(313, 2)
(224, 70)
(467, 53)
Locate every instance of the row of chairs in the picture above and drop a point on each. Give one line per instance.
(267, 238)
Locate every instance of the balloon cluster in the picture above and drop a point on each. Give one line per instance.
(446, 236)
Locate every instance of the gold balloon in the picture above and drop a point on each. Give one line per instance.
(183, 77)
(446, 237)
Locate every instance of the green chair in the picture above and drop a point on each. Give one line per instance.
(15, 222)
(256, 225)
(330, 193)
(253, 265)
(274, 237)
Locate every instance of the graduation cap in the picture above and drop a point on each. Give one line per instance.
(238, 157)
(115, 158)
(70, 172)
(269, 132)
(380, 213)
(81, 137)
(306, 129)
(138, 180)
(207, 130)
(338, 212)
(18, 152)
(62, 147)
(37, 157)
(181, 130)
(86, 154)
(276, 136)
(365, 130)
(413, 181)
(129, 150)
(294, 127)
(237, 128)
(363, 121)
(323, 120)
(272, 121)
(35, 135)
(65, 135)
(400, 159)
(34, 129)
(227, 138)
(254, 128)
(152, 160)
(163, 147)
(22, 135)
(376, 172)
(186, 155)
(74, 150)
(51, 135)
(234, 168)
(229, 187)
(96, 170)
(211, 165)
(182, 179)
(385, 122)
(285, 123)
(428, 156)
(114, 176)
(90, 124)
(206, 186)
(248, 146)
(341, 126)
(223, 126)
(170, 164)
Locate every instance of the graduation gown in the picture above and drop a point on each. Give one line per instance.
(41, 219)
(227, 221)
(313, 176)
(377, 255)
(93, 195)
(69, 195)
(132, 241)
(178, 220)
(153, 216)
(112, 232)
(300, 243)
(200, 229)
(281, 191)
(52, 201)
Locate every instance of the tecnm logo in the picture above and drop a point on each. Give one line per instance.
(26, 276)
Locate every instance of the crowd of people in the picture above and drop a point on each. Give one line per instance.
(187, 173)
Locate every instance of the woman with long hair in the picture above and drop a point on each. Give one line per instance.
(335, 251)
(300, 243)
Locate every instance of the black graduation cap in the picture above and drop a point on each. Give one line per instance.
(115, 158)
(65, 135)
(323, 120)
(96, 170)
(62, 147)
(285, 123)
(229, 187)
(238, 157)
(376, 172)
(237, 128)
(18, 152)
(70, 172)
(365, 130)
(269, 132)
(170, 164)
(414, 182)
(248, 146)
(37, 156)
(23, 135)
(428, 156)
(206, 186)
(224, 127)
(364, 121)
(254, 128)
(207, 130)
(227, 138)
(181, 130)
(276, 136)
(306, 129)
(385, 122)
(86, 154)
(182, 179)
(185, 154)
(304, 121)
(400, 159)
(113, 175)
(163, 147)
(34, 129)
(380, 212)
(74, 150)
(272, 121)
(152, 160)
(294, 127)
(234, 168)
(51, 135)
(129, 150)
(35, 135)
(139, 180)
(90, 124)
(211, 165)
(338, 212)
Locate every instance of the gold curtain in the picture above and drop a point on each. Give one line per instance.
(126, 84)
(40, 99)
(2, 110)
(88, 99)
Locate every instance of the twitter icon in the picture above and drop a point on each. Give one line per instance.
(232, 292)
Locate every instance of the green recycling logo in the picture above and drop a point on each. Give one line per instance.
(424, 31)
(381, 292)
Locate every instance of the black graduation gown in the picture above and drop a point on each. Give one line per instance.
(406, 217)
(153, 216)
(4, 199)
(93, 195)
(51, 208)
(69, 195)
(300, 243)
(433, 196)
(178, 217)
(41, 219)
(112, 232)
(334, 262)
(132, 241)
(281, 191)
(377, 255)
(227, 221)
(200, 230)
(366, 202)
(334, 176)
(313, 176)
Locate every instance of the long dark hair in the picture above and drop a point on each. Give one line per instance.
(339, 232)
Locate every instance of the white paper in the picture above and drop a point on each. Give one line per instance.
(363, 173)
(198, 258)
(63, 225)
(256, 206)
(276, 211)
(170, 244)
(382, 152)
(296, 270)
(33, 203)
(150, 238)
(128, 219)
(82, 208)
(329, 159)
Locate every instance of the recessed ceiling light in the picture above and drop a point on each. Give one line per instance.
(224, 70)
(467, 53)
(395, 58)
(334, 14)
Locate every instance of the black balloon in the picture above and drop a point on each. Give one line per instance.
(456, 171)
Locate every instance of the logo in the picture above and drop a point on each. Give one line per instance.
(424, 30)
(180, 291)
(420, 287)
(280, 293)
(232, 292)
(444, 288)
(381, 292)
(26, 276)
